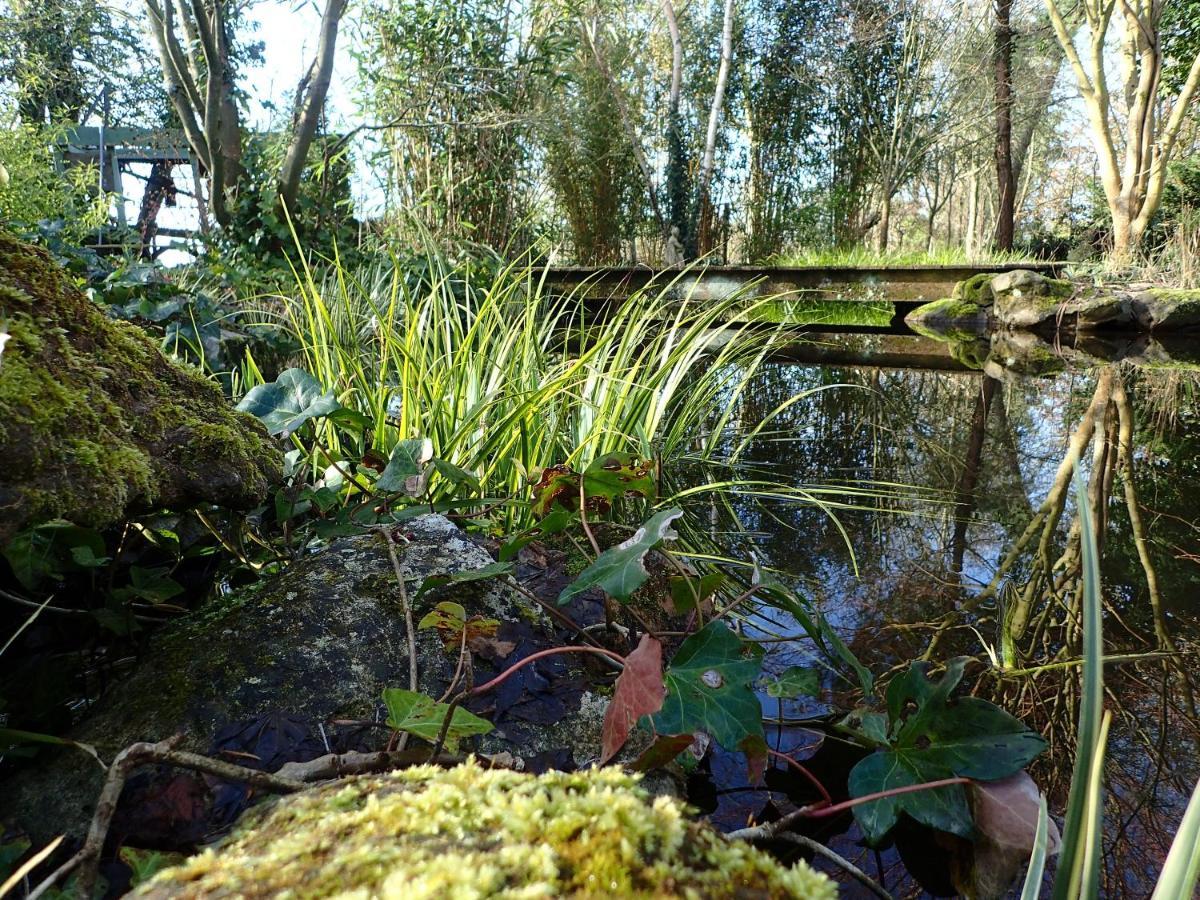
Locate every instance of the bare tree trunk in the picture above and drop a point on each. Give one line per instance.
(1133, 189)
(631, 133)
(1005, 182)
(160, 189)
(883, 235)
(312, 105)
(677, 188)
(710, 141)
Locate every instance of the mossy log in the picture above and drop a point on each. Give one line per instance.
(95, 422)
(469, 832)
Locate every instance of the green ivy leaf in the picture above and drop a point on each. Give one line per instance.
(933, 737)
(621, 570)
(795, 681)
(617, 474)
(556, 521)
(406, 465)
(709, 688)
(419, 715)
(687, 592)
(288, 402)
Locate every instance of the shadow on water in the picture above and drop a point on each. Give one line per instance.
(982, 560)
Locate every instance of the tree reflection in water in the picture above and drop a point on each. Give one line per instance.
(982, 558)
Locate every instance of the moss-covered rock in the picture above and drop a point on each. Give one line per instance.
(976, 289)
(469, 832)
(1165, 309)
(1025, 299)
(96, 422)
(949, 319)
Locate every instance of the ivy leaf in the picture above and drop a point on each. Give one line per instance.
(420, 715)
(450, 621)
(1006, 813)
(491, 570)
(407, 462)
(605, 479)
(795, 681)
(288, 402)
(933, 737)
(455, 475)
(687, 593)
(817, 628)
(617, 474)
(556, 521)
(621, 570)
(152, 585)
(709, 688)
(870, 726)
(640, 691)
(664, 749)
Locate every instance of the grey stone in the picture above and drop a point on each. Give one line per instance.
(319, 641)
(1166, 310)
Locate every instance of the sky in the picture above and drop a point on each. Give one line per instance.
(288, 32)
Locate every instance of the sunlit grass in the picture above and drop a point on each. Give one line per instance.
(506, 378)
(861, 256)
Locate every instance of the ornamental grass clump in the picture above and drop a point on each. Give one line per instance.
(503, 377)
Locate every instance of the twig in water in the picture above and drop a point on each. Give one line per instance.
(838, 860)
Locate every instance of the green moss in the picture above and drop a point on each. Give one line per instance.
(470, 832)
(948, 319)
(947, 308)
(971, 353)
(1186, 299)
(976, 289)
(96, 421)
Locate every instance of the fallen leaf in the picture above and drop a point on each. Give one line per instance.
(1007, 812)
(664, 749)
(640, 692)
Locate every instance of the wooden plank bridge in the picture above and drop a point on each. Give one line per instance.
(907, 287)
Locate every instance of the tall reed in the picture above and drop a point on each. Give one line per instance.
(505, 378)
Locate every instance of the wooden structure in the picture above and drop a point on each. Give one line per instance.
(108, 148)
(907, 287)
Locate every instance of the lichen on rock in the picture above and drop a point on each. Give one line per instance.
(95, 422)
(470, 832)
(321, 641)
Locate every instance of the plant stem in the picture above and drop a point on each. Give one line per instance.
(501, 678)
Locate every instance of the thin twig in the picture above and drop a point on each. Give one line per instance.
(501, 678)
(386, 534)
(838, 860)
(88, 858)
(587, 529)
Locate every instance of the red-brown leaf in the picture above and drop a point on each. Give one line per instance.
(640, 691)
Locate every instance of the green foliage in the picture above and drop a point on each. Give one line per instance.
(709, 689)
(34, 191)
(285, 404)
(486, 573)
(480, 69)
(795, 681)
(590, 163)
(484, 365)
(621, 570)
(417, 714)
(933, 736)
(255, 249)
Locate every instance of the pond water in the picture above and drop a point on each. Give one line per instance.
(985, 452)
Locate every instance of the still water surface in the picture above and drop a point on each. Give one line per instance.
(960, 462)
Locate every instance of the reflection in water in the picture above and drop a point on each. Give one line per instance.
(982, 558)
